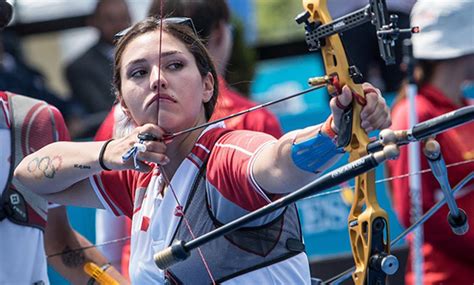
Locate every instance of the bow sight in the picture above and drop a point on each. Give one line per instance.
(376, 12)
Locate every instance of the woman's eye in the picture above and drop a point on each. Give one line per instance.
(138, 73)
(175, 65)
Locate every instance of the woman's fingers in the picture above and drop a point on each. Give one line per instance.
(158, 158)
(155, 146)
(375, 114)
(150, 129)
(144, 144)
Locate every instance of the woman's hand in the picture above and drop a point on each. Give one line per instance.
(153, 150)
(374, 115)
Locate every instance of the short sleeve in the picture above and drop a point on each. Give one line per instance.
(115, 191)
(230, 165)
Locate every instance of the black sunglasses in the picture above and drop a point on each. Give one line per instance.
(172, 20)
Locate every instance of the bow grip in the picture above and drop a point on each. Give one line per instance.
(345, 127)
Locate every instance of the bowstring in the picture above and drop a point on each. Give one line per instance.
(167, 181)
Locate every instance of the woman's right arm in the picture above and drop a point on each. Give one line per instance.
(58, 166)
(59, 172)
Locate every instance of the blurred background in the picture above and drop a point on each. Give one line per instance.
(270, 60)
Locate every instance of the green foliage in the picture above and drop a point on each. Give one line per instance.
(276, 20)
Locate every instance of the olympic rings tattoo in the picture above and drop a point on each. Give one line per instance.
(45, 166)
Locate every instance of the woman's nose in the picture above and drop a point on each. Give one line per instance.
(157, 79)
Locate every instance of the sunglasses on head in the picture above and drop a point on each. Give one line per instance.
(172, 20)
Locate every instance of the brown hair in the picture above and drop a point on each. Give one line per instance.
(181, 32)
(206, 14)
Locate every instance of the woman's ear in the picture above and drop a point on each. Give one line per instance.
(208, 84)
(123, 106)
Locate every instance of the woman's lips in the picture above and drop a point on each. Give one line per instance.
(164, 97)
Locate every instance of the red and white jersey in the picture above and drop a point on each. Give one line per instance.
(155, 217)
(22, 247)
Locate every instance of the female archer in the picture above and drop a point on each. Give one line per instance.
(177, 187)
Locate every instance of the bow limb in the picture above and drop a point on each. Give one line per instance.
(368, 222)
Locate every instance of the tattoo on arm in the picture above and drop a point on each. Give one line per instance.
(45, 166)
(73, 257)
(80, 166)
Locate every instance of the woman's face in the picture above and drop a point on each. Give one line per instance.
(175, 100)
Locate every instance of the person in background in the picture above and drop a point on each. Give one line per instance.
(242, 62)
(217, 174)
(90, 75)
(19, 77)
(212, 21)
(31, 229)
(444, 50)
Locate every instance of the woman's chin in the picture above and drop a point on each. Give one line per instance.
(153, 121)
(167, 125)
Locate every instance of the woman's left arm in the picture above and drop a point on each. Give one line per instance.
(299, 156)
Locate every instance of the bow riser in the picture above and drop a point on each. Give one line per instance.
(365, 210)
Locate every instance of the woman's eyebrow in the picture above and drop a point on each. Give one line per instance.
(163, 55)
(170, 53)
(135, 61)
